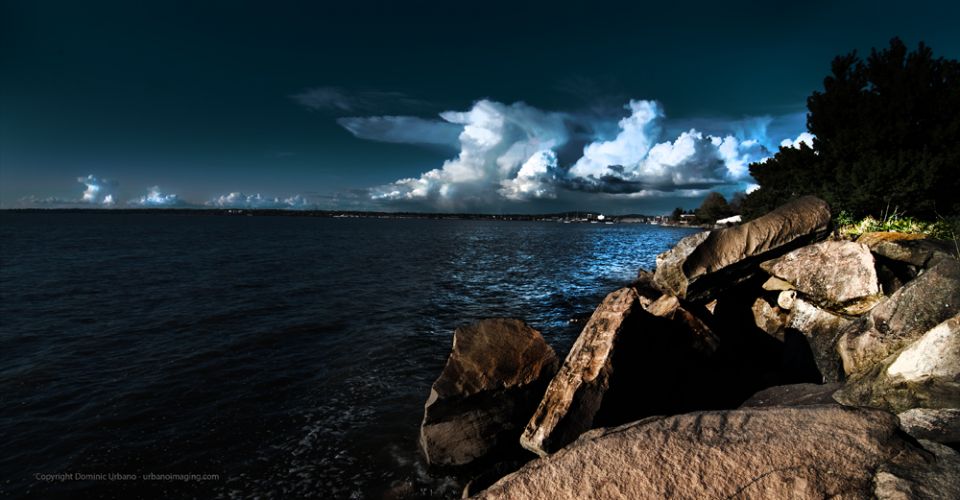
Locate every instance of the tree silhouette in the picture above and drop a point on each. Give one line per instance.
(887, 136)
(713, 208)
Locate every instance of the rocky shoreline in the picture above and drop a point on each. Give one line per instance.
(765, 360)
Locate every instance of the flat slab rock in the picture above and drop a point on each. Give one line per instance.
(683, 270)
(829, 272)
(576, 392)
(793, 395)
(493, 379)
(778, 452)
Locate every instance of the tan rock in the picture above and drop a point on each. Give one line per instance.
(786, 299)
(931, 298)
(574, 395)
(703, 266)
(778, 452)
(832, 273)
(493, 379)
(821, 329)
(775, 284)
(769, 319)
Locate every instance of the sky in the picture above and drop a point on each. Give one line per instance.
(493, 107)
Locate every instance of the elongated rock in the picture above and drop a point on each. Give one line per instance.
(701, 265)
(493, 379)
(923, 303)
(805, 452)
(574, 395)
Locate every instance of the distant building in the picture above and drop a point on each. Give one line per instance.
(729, 220)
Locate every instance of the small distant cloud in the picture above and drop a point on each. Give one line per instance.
(156, 198)
(341, 100)
(403, 129)
(240, 200)
(803, 138)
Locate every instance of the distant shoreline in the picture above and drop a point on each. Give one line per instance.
(562, 217)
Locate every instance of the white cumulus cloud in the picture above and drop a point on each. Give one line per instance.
(803, 138)
(511, 152)
(97, 190)
(156, 198)
(495, 141)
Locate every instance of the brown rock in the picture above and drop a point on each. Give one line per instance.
(492, 381)
(703, 265)
(931, 298)
(779, 452)
(821, 329)
(794, 395)
(574, 395)
(831, 273)
(701, 337)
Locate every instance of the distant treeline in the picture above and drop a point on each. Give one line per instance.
(580, 215)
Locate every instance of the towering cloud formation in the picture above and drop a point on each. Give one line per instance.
(97, 190)
(495, 141)
(510, 153)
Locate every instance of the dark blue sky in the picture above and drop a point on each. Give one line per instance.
(335, 103)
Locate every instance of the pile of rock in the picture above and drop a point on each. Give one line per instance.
(863, 330)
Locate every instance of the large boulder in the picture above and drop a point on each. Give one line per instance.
(931, 298)
(821, 329)
(801, 452)
(835, 274)
(575, 394)
(493, 380)
(705, 263)
(924, 375)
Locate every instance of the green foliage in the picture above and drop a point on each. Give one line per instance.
(941, 229)
(887, 134)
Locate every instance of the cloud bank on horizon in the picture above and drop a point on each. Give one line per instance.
(512, 153)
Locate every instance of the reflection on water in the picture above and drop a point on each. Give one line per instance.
(292, 356)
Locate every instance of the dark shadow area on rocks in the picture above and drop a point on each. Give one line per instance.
(660, 370)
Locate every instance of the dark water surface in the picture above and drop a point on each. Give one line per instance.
(288, 356)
